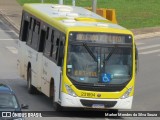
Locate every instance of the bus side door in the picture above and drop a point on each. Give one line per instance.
(22, 44)
(34, 56)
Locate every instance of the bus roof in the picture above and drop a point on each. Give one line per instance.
(72, 18)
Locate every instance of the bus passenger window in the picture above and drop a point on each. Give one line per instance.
(60, 54)
(34, 25)
(42, 39)
(60, 50)
(52, 43)
(47, 48)
(37, 27)
(25, 30)
(35, 34)
(52, 36)
(30, 25)
(57, 48)
(29, 39)
(47, 33)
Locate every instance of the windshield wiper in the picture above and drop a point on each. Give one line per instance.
(110, 54)
(90, 52)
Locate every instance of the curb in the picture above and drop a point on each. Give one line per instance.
(10, 21)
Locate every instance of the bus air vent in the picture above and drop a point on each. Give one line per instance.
(85, 19)
(61, 8)
(102, 25)
(64, 10)
(69, 21)
(73, 15)
(89, 103)
(56, 6)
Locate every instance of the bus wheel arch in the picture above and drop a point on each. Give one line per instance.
(28, 66)
(30, 87)
(56, 106)
(51, 87)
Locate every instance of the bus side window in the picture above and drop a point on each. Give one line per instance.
(55, 42)
(35, 34)
(22, 24)
(60, 50)
(31, 23)
(24, 29)
(29, 40)
(42, 41)
(47, 48)
(57, 48)
(47, 33)
(52, 44)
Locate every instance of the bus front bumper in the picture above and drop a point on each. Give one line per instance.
(70, 101)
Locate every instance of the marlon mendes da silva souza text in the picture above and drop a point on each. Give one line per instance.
(133, 114)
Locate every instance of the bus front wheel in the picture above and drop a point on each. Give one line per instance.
(56, 106)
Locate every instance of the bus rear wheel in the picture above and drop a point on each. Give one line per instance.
(30, 87)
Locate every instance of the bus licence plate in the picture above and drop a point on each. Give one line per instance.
(98, 106)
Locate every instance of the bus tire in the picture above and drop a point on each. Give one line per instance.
(56, 106)
(30, 87)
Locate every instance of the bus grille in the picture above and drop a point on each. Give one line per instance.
(111, 88)
(89, 103)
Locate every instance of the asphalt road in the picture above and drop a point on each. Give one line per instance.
(147, 91)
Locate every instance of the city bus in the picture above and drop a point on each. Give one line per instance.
(76, 57)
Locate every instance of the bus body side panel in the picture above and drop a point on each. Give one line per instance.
(21, 58)
(50, 70)
(39, 71)
(35, 59)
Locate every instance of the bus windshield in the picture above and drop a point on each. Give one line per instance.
(98, 63)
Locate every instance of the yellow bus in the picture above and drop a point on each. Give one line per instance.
(76, 57)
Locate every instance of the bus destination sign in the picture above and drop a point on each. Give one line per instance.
(103, 38)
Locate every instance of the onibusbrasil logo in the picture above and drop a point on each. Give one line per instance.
(20, 114)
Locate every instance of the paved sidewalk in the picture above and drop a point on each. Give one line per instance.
(12, 12)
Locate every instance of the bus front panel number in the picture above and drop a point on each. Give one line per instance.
(86, 94)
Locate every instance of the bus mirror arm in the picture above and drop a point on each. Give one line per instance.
(136, 58)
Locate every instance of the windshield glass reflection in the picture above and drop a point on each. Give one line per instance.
(99, 64)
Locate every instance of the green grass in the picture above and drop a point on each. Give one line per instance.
(130, 13)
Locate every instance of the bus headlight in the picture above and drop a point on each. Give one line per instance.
(70, 91)
(126, 94)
